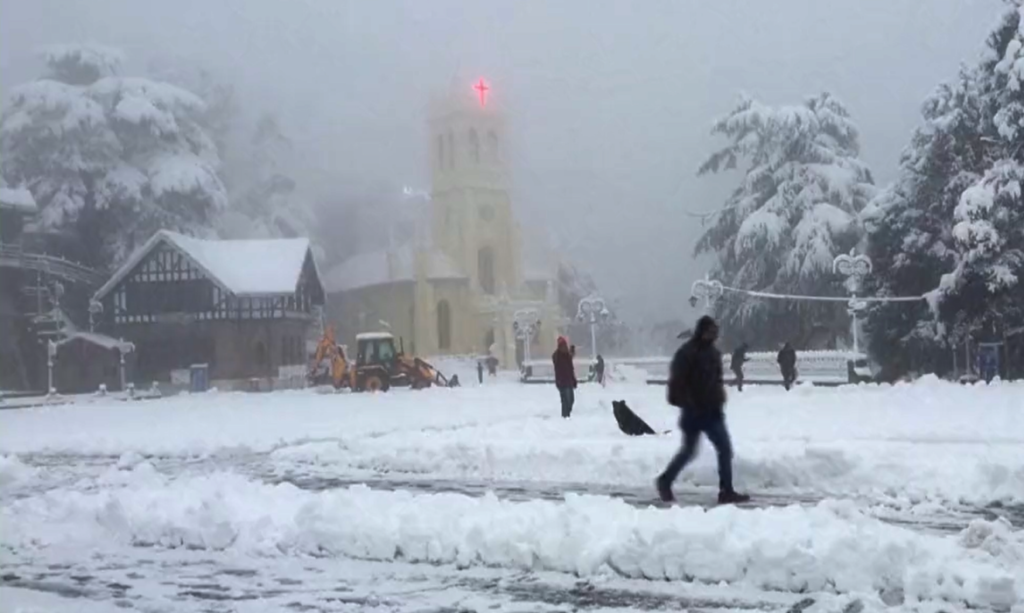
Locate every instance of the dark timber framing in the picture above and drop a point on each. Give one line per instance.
(178, 314)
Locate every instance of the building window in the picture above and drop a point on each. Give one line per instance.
(474, 146)
(260, 355)
(444, 326)
(487, 212)
(451, 150)
(493, 152)
(485, 269)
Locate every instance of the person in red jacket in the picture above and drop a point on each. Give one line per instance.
(565, 376)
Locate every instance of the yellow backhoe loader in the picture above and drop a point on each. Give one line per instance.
(378, 366)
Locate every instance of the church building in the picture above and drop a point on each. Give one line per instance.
(458, 288)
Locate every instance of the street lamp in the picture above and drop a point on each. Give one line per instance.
(708, 289)
(95, 308)
(854, 268)
(589, 310)
(51, 353)
(525, 323)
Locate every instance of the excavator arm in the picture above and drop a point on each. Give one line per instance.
(328, 349)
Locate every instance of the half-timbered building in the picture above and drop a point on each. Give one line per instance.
(243, 307)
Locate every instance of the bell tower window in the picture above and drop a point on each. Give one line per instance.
(485, 269)
(493, 153)
(451, 150)
(474, 145)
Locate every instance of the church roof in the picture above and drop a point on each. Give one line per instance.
(389, 266)
(242, 267)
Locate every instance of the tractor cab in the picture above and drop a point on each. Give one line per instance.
(376, 349)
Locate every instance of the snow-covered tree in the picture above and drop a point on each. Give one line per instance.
(989, 217)
(952, 225)
(910, 227)
(795, 209)
(264, 201)
(109, 159)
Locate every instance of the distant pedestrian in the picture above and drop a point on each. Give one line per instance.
(739, 356)
(480, 371)
(599, 369)
(787, 364)
(565, 376)
(695, 386)
(492, 365)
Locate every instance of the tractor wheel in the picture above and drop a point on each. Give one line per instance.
(375, 383)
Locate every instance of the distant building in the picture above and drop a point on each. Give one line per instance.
(41, 294)
(243, 307)
(454, 287)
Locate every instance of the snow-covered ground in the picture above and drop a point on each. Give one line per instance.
(481, 497)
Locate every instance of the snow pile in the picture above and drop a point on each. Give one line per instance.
(14, 472)
(831, 547)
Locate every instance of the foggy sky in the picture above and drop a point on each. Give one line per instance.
(610, 103)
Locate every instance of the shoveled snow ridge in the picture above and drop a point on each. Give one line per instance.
(831, 547)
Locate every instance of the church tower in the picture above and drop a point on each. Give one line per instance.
(472, 213)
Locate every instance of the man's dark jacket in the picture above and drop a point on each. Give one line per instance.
(787, 359)
(695, 380)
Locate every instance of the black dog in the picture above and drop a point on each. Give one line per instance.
(629, 422)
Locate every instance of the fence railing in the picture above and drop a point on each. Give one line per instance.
(15, 256)
(823, 367)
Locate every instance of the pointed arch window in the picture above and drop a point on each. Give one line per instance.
(451, 150)
(485, 269)
(493, 151)
(444, 326)
(474, 145)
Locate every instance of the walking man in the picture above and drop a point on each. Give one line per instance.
(695, 386)
(565, 376)
(739, 356)
(787, 364)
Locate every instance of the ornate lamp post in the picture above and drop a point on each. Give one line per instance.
(708, 289)
(589, 310)
(854, 268)
(525, 323)
(51, 353)
(95, 308)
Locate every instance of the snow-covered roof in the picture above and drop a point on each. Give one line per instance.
(242, 267)
(389, 266)
(17, 198)
(370, 336)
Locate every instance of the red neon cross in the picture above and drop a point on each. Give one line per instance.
(482, 88)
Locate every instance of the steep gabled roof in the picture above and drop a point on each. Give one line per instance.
(241, 267)
(17, 198)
